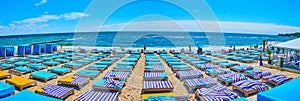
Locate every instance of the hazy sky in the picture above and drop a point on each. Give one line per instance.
(241, 16)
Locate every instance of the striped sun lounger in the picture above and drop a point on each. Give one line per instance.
(60, 92)
(116, 75)
(109, 85)
(231, 78)
(193, 84)
(217, 71)
(88, 73)
(20, 70)
(276, 79)
(97, 67)
(43, 75)
(216, 93)
(189, 74)
(123, 68)
(155, 76)
(241, 68)
(155, 68)
(76, 81)
(206, 66)
(181, 67)
(157, 86)
(98, 96)
(250, 86)
(257, 73)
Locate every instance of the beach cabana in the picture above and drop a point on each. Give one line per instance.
(109, 85)
(51, 48)
(39, 49)
(59, 92)
(98, 96)
(27, 95)
(7, 51)
(24, 50)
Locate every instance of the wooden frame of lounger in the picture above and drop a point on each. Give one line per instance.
(252, 77)
(19, 73)
(6, 76)
(108, 89)
(239, 71)
(272, 82)
(68, 84)
(150, 90)
(43, 79)
(181, 69)
(202, 98)
(62, 97)
(21, 87)
(100, 69)
(246, 93)
(4, 68)
(226, 83)
(60, 73)
(155, 79)
(73, 67)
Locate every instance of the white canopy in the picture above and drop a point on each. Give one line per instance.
(293, 44)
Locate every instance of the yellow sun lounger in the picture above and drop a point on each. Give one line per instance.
(4, 75)
(145, 96)
(21, 82)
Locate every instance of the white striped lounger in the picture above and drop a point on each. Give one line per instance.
(189, 74)
(193, 84)
(60, 92)
(98, 96)
(155, 76)
(157, 86)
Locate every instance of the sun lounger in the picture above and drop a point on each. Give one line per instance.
(5, 66)
(228, 65)
(123, 68)
(62, 60)
(189, 74)
(276, 79)
(51, 63)
(154, 68)
(122, 63)
(76, 81)
(20, 82)
(59, 92)
(6, 89)
(241, 68)
(37, 66)
(20, 70)
(249, 86)
(167, 98)
(43, 75)
(216, 93)
(10, 61)
(98, 96)
(85, 62)
(21, 63)
(206, 66)
(153, 63)
(109, 85)
(35, 61)
(146, 96)
(257, 73)
(157, 86)
(4, 75)
(231, 78)
(217, 71)
(73, 65)
(193, 84)
(116, 75)
(181, 67)
(155, 76)
(60, 70)
(88, 73)
(27, 95)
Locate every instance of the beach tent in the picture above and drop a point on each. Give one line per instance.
(293, 44)
(24, 50)
(50, 48)
(7, 51)
(39, 49)
(285, 92)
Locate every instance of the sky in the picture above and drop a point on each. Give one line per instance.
(239, 16)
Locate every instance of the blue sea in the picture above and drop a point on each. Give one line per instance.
(151, 39)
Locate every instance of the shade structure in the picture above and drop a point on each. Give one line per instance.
(293, 44)
(24, 50)
(39, 49)
(7, 51)
(50, 48)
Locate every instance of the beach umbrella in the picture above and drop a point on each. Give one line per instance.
(260, 61)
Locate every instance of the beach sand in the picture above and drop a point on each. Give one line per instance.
(134, 83)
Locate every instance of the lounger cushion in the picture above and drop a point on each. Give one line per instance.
(44, 74)
(27, 95)
(60, 69)
(6, 89)
(21, 81)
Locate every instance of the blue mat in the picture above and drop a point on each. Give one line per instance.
(27, 95)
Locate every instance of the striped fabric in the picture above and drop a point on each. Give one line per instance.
(118, 75)
(157, 84)
(208, 66)
(79, 80)
(251, 85)
(278, 78)
(111, 83)
(232, 77)
(56, 91)
(208, 81)
(155, 75)
(98, 96)
(190, 73)
(217, 93)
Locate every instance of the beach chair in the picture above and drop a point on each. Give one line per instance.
(98, 96)
(182, 75)
(27, 95)
(154, 68)
(109, 85)
(116, 75)
(193, 84)
(216, 71)
(256, 73)
(241, 68)
(4, 75)
(59, 92)
(5, 66)
(20, 82)
(6, 89)
(37, 66)
(250, 86)
(153, 63)
(276, 79)
(43, 75)
(155, 76)
(97, 67)
(157, 86)
(216, 93)
(76, 81)
(92, 74)
(20, 70)
(231, 78)
(60, 70)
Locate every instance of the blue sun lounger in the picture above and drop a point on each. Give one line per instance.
(10, 61)
(6, 89)
(21, 63)
(109, 85)
(5, 66)
(43, 75)
(59, 92)
(20, 70)
(155, 76)
(62, 60)
(116, 75)
(37, 66)
(231, 78)
(158, 68)
(73, 65)
(51, 63)
(97, 67)
(98, 96)
(36, 61)
(88, 73)
(157, 86)
(189, 74)
(104, 63)
(193, 84)
(60, 70)
(241, 68)
(27, 95)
